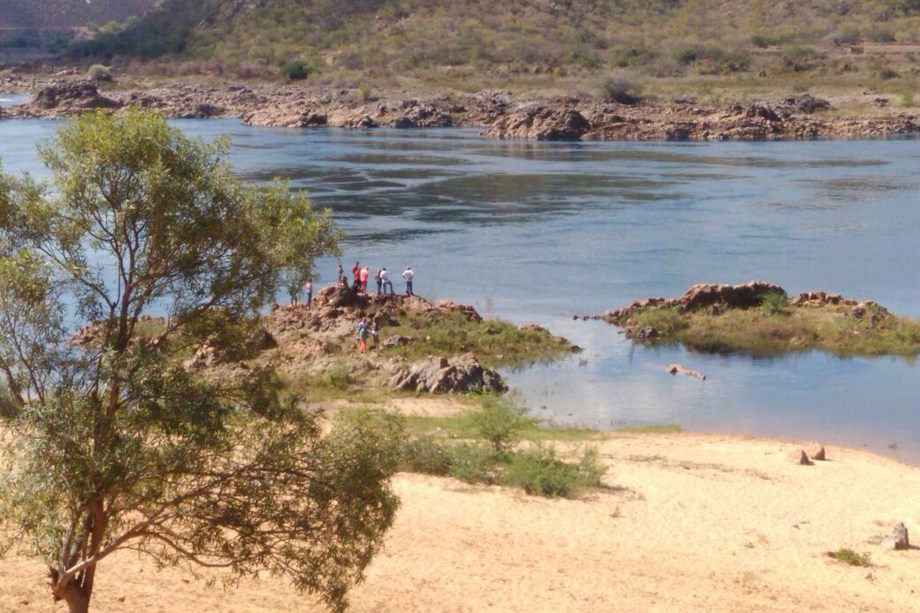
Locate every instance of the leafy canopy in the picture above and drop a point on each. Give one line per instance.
(113, 444)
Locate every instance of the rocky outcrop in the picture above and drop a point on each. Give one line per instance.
(501, 113)
(439, 375)
(712, 296)
(742, 296)
(541, 122)
(70, 97)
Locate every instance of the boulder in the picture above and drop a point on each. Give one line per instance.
(341, 296)
(439, 375)
(815, 451)
(539, 122)
(806, 103)
(898, 541)
(72, 97)
(798, 456)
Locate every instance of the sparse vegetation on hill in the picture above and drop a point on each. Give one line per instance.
(479, 42)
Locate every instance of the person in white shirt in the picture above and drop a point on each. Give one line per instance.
(408, 275)
(385, 280)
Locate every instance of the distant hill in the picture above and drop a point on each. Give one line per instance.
(464, 39)
(27, 14)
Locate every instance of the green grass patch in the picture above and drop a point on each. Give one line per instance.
(540, 472)
(495, 343)
(848, 556)
(778, 327)
(479, 447)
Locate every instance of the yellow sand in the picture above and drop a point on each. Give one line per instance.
(703, 523)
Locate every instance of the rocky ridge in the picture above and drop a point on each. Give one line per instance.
(500, 114)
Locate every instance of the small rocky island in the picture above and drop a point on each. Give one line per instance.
(761, 319)
(423, 347)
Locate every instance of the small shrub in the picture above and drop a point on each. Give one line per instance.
(887, 74)
(622, 89)
(541, 472)
(774, 303)
(426, 455)
(294, 70)
(907, 98)
(98, 72)
(879, 34)
(365, 92)
(473, 463)
(500, 423)
(339, 376)
(850, 557)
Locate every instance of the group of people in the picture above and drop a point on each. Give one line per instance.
(361, 275)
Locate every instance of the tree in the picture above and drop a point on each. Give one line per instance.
(113, 444)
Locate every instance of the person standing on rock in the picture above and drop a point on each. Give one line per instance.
(340, 272)
(356, 273)
(375, 332)
(385, 280)
(308, 288)
(408, 275)
(378, 280)
(365, 273)
(362, 335)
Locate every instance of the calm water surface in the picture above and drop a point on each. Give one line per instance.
(543, 231)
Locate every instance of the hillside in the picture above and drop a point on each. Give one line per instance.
(29, 14)
(478, 42)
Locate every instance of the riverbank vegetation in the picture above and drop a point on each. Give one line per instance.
(779, 326)
(500, 444)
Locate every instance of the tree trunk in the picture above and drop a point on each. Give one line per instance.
(77, 599)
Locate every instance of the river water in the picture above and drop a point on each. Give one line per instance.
(539, 232)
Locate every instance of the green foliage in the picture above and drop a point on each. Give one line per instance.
(907, 99)
(500, 422)
(339, 376)
(495, 342)
(839, 329)
(774, 303)
(424, 454)
(539, 471)
(666, 321)
(851, 557)
(294, 70)
(98, 72)
(474, 463)
(365, 92)
(115, 445)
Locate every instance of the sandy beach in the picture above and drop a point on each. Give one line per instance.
(691, 523)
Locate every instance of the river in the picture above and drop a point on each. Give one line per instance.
(539, 232)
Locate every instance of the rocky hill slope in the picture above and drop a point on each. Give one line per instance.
(29, 14)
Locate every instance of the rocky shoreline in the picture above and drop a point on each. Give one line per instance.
(499, 115)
